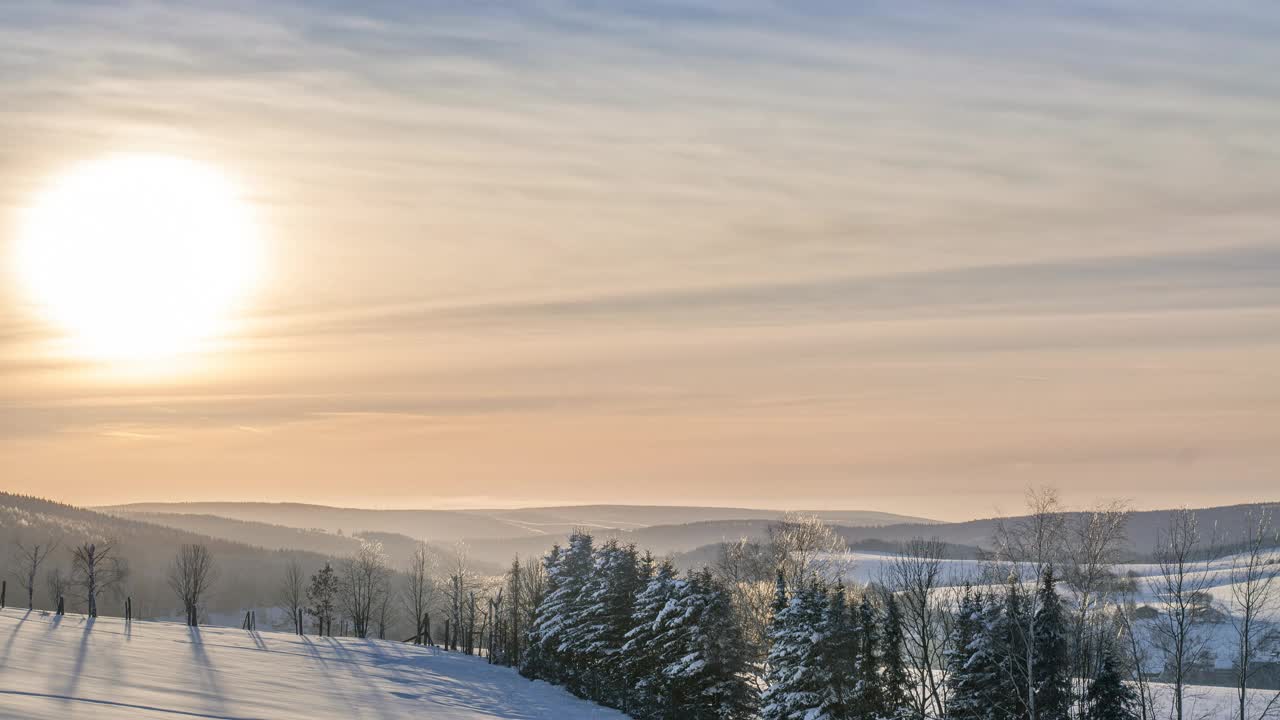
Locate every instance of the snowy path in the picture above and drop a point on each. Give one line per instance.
(66, 667)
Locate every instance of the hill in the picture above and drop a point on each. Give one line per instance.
(248, 575)
(70, 667)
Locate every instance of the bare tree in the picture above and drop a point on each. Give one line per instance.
(1094, 541)
(1253, 594)
(363, 584)
(461, 583)
(56, 583)
(803, 545)
(292, 593)
(420, 589)
(190, 576)
(1032, 544)
(914, 575)
(96, 569)
(29, 559)
(748, 571)
(1181, 588)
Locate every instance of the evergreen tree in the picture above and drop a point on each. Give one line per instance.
(1052, 652)
(795, 677)
(644, 659)
(558, 658)
(838, 655)
(869, 697)
(601, 620)
(322, 598)
(964, 678)
(1012, 650)
(893, 675)
(1109, 698)
(537, 660)
(708, 680)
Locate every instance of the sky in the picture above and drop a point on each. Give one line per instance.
(903, 256)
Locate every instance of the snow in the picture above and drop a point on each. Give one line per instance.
(73, 667)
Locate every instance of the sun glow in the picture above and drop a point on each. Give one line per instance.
(138, 256)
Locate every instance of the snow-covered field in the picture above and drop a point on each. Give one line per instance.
(68, 667)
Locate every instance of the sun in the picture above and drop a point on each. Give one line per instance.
(138, 256)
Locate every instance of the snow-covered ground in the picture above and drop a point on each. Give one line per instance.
(68, 667)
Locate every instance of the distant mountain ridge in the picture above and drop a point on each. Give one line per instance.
(493, 524)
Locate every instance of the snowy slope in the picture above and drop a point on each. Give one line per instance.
(67, 667)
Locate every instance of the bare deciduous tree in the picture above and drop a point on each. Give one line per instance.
(56, 583)
(1253, 595)
(802, 545)
(420, 589)
(1094, 541)
(363, 584)
(95, 570)
(292, 593)
(1032, 544)
(190, 576)
(1180, 587)
(748, 570)
(914, 575)
(29, 559)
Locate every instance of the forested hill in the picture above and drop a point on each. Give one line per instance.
(248, 575)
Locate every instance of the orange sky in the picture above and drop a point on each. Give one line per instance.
(910, 260)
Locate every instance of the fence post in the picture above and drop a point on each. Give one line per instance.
(4, 586)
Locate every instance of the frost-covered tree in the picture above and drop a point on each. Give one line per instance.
(190, 576)
(838, 653)
(602, 619)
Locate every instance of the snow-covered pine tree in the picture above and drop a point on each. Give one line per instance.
(537, 660)
(795, 676)
(643, 659)
(1052, 652)
(708, 679)
(893, 673)
(869, 702)
(963, 680)
(992, 666)
(1109, 698)
(567, 574)
(601, 619)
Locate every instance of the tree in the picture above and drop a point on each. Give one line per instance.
(797, 679)
(1052, 651)
(1253, 595)
(746, 568)
(1109, 698)
(56, 583)
(362, 586)
(894, 678)
(550, 656)
(1181, 584)
(95, 570)
(29, 559)
(419, 590)
(189, 576)
(1094, 541)
(707, 678)
(963, 673)
(915, 574)
(644, 656)
(869, 698)
(1031, 544)
(321, 598)
(803, 545)
(292, 593)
